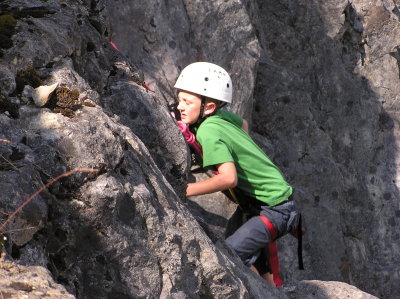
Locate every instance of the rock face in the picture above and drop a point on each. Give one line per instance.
(325, 289)
(326, 97)
(318, 80)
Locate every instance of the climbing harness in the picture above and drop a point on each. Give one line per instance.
(273, 249)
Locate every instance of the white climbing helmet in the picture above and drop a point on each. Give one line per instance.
(206, 79)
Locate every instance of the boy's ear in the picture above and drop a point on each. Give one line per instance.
(209, 108)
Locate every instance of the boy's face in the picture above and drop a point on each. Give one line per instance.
(189, 106)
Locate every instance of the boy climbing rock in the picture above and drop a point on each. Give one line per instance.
(259, 186)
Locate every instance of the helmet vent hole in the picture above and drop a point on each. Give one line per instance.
(206, 79)
(227, 85)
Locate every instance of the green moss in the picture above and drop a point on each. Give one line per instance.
(7, 30)
(28, 76)
(7, 20)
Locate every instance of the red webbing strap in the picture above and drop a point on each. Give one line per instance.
(273, 251)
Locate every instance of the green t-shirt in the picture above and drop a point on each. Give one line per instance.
(223, 140)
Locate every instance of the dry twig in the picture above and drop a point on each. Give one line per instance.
(9, 162)
(68, 173)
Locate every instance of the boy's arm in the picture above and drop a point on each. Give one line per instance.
(225, 179)
(245, 126)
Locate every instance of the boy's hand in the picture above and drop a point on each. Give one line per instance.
(225, 179)
(245, 126)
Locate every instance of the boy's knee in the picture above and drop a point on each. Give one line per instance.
(244, 256)
(248, 240)
(233, 242)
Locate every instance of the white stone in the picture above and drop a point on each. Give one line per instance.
(42, 94)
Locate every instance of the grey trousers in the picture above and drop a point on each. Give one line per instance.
(250, 241)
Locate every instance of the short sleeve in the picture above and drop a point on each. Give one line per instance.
(215, 151)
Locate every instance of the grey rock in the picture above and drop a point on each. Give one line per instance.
(7, 79)
(170, 35)
(26, 95)
(151, 121)
(325, 95)
(318, 81)
(325, 289)
(110, 229)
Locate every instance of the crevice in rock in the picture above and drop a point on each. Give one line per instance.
(352, 39)
(7, 106)
(396, 55)
(34, 12)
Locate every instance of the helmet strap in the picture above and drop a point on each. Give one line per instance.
(223, 104)
(201, 117)
(203, 104)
